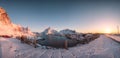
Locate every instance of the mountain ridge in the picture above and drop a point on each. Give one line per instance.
(9, 28)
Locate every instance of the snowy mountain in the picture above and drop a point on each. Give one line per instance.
(49, 31)
(10, 29)
(67, 31)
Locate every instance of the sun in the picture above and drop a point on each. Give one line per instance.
(108, 30)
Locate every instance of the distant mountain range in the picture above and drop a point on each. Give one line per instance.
(50, 31)
(11, 29)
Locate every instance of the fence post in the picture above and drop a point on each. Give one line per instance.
(66, 44)
(35, 42)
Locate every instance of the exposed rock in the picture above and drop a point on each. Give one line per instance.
(4, 19)
(10, 29)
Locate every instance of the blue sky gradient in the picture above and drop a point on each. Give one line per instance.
(82, 16)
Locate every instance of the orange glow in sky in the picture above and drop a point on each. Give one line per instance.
(108, 30)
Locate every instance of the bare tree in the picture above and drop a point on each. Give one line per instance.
(118, 29)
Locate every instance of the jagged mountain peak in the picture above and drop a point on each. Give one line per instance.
(9, 28)
(2, 10)
(49, 30)
(4, 18)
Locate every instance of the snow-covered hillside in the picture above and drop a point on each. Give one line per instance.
(103, 47)
(10, 29)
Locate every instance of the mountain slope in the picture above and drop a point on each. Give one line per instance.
(9, 28)
(49, 31)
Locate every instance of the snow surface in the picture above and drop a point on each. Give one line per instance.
(103, 47)
(114, 37)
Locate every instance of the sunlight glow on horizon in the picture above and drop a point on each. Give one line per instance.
(108, 30)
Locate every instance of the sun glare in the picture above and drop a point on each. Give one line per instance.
(108, 30)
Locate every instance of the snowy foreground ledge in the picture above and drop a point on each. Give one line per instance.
(103, 47)
(114, 37)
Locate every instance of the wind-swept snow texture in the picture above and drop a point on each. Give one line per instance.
(103, 47)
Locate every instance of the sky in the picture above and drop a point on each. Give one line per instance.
(82, 16)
